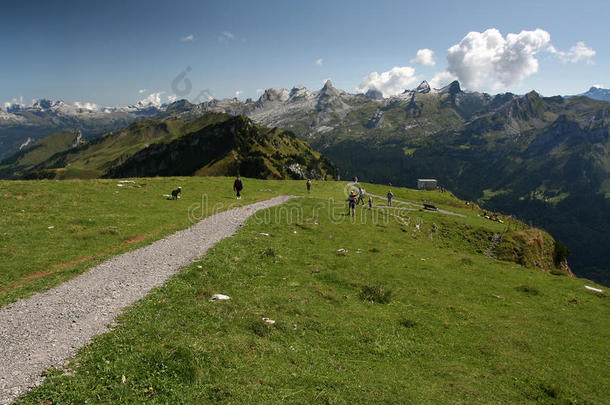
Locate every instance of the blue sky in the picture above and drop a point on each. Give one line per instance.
(118, 52)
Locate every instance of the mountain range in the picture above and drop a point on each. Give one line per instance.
(543, 159)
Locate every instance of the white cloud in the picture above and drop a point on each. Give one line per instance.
(14, 101)
(390, 83)
(599, 86)
(259, 91)
(141, 91)
(577, 53)
(86, 106)
(441, 79)
(319, 62)
(153, 99)
(488, 61)
(189, 37)
(171, 98)
(424, 57)
(226, 36)
(238, 93)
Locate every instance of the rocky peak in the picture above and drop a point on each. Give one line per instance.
(452, 88)
(424, 88)
(298, 92)
(329, 90)
(271, 95)
(374, 94)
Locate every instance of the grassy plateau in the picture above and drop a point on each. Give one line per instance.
(390, 306)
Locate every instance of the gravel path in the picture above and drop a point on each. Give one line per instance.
(46, 329)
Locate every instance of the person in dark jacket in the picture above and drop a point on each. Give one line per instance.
(238, 185)
(351, 200)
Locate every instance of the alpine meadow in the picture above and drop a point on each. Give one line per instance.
(345, 202)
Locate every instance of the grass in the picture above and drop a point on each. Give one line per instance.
(459, 327)
(51, 231)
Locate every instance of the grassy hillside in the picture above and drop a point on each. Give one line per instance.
(413, 311)
(214, 144)
(41, 150)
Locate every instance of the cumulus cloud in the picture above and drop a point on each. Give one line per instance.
(187, 38)
(319, 62)
(488, 61)
(424, 57)
(141, 91)
(153, 100)
(86, 106)
(441, 79)
(599, 86)
(390, 83)
(171, 98)
(577, 53)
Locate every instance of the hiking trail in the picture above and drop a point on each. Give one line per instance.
(46, 329)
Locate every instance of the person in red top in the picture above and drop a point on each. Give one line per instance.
(238, 186)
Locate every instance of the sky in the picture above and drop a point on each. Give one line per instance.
(119, 52)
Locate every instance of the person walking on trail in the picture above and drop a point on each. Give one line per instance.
(351, 200)
(390, 195)
(238, 185)
(360, 196)
(370, 202)
(308, 185)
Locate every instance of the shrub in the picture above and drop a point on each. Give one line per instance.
(560, 253)
(376, 294)
(270, 252)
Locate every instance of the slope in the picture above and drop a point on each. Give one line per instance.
(214, 144)
(390, 306)
(38, 152)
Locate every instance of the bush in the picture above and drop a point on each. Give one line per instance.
(270, 252)
(376, 294)
(560, 253)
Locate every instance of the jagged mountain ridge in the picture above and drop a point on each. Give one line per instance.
(18, 123)
(597, 93)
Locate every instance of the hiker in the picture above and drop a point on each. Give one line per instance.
(390, 195)
(238, 186)
(308, 185)
(370, 202)
(351, 200)
(360, 196)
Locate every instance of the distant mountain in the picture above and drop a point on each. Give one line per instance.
(212, 145)
(33, 154)
(18, 122)
(597, 93)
